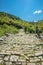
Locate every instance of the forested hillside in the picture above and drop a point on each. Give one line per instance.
(11, 24)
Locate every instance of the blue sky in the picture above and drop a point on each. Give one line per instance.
(28, 10)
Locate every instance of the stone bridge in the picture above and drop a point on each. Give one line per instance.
(14, 59)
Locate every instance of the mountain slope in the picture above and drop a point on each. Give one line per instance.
(11, 24)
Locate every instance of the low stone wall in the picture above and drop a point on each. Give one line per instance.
(14, 59)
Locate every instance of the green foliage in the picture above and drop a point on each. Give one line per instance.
(7, 29)
(25, 29)
(11, 24)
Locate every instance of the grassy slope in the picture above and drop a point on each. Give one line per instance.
(11, 24)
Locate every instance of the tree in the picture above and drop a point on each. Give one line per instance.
(37, 31)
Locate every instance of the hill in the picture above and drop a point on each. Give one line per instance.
(11, 24)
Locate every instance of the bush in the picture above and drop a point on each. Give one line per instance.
(7, 29)
(31, 30)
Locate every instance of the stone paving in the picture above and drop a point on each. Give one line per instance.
(23, 44)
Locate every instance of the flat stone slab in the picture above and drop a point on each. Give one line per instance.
(6, 58)
(14, 58)
(30, 63)
(8, 63)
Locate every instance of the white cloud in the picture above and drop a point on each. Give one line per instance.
(37, 12)
(35, 21)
